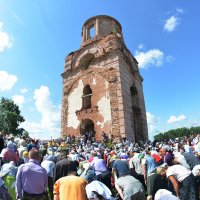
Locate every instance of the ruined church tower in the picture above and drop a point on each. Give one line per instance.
(102, 86)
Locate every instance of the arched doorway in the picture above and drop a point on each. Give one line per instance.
(87, 128)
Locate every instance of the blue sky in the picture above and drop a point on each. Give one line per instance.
(164, 36)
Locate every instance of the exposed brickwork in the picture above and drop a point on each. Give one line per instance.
(106, 65)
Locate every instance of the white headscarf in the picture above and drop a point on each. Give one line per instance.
(100, 188)
(11, 146)
(164, 194)
(196, 170)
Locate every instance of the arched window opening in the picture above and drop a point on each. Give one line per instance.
(92, 31)
(87, 94)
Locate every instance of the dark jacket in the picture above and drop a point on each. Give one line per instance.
(63, 167)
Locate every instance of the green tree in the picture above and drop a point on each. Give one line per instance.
(179, 132)
(195, 130)
(159, 137)
(10, 116)
(169, 134)
(26, 134)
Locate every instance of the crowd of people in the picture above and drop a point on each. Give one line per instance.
(81, 168)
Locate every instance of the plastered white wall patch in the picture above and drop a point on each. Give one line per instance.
(74, 104)
(94, 81)
(104, 110)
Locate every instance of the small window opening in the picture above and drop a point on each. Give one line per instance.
(92, 32)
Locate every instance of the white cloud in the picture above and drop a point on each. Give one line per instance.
(151, 119)
(24, 90)
(51, 116)
(152, 123)
(7, 81)
(171, 23)
(192, 123)
(172, 119)
(141, 46)
(6, 41)
(153, 57)
(174, 20)
(19, 100)
(33, 128)
(179, 10)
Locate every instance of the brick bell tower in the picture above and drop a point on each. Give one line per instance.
(102, 86)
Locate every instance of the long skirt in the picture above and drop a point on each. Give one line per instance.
(188, 189)
(4, 194)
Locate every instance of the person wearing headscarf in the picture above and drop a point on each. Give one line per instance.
(196, 170)
(87, 172)
(10, 154)
(182, 179)
(8, 174)
(135, 166)
(180, 159)
(97, 190)
(22, 147)
(167, 155)
(164, 194)
(25, 157)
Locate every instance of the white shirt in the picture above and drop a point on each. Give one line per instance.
(135, 163)
(179, 172)
(49, 167)
(21, 149)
